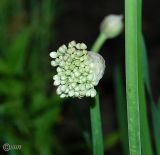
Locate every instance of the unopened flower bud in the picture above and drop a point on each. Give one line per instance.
(112, 25)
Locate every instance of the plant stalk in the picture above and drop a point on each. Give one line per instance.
(95, 116)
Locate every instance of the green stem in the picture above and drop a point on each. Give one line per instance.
(97, 138)
(132, 42)
(96, 127)
(99, 42)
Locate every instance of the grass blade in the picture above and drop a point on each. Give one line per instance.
(145, 68)
(145, 132)
(156, 127)
(154, 109)
(121, 110)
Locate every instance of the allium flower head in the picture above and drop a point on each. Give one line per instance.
(78, 70)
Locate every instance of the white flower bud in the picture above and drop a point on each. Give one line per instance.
(77, 88)
(59, 69)
(82, 87)
(63, 82)
(79, 53)
(88, 93)
(57, 82)
(93, 92)
(71, 93)
(76, 94)
(85, 52)
(112, 25)
(63, 77)
(53, 54)
(73, 85)
(58, 92)
(62, 63)
(72, 44)
(83, 46)
(62, 49)
(57, 60)
(77, 74)
(53, 63)
(56, 77)
(63, 88)
(62, 96)
(78, 46)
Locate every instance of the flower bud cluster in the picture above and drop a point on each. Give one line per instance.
(76, 70)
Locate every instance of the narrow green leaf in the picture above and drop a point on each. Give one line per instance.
(137, 111)
(146, 68)
(156, 127)
(43, 125)
(121, 110)
(145, 131)
(154, 109)
(132, 43)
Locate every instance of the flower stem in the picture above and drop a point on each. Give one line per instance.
(95, 116)
(99, 42)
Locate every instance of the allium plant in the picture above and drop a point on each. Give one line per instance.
(78, 70)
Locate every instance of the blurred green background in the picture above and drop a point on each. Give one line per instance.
(28, 110)
(31, 114)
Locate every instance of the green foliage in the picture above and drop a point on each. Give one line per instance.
(28, 114)
(154, 109)
(156, 127)
(121, 108)
(111, 140)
